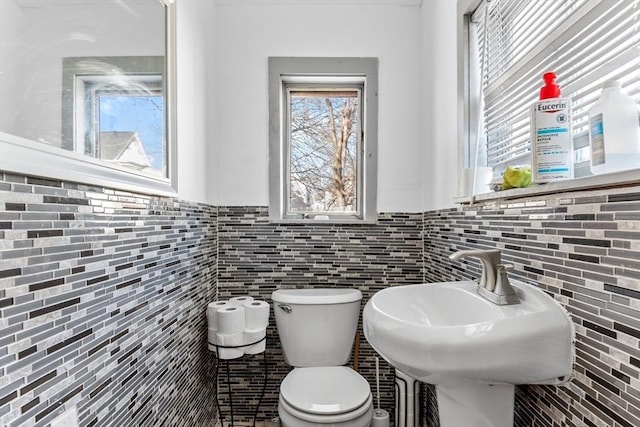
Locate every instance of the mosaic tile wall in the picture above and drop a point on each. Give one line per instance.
(102, 295)
(582, 248)
(256, 258)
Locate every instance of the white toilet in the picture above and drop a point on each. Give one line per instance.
(316, 329)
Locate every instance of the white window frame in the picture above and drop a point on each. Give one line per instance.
(85, 77)
(27, 157)
(470, 103)
(285, 72)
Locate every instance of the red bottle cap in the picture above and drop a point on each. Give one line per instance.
(550, 88)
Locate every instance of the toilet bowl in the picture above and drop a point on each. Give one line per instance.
(316, 329)
(330, 396)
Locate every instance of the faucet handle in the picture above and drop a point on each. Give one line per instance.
(494, 284)
(503, 288)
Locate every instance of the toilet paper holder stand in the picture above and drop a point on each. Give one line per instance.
(239, 346)
(229, 392)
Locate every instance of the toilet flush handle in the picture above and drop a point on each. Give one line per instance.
(285, 308)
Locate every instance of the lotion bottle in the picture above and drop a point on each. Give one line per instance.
(614, 131)
(551, 136)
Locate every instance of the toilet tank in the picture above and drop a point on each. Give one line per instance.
(316, 326)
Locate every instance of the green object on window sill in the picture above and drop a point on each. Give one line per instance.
(516, 177)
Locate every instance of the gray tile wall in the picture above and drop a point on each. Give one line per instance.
(102, 295)
(256, 257)
(582, 248)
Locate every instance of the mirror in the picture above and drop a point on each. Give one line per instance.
(88, 77)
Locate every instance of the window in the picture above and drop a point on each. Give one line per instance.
(114, 111)
(39, 78)
(323, 142)
(513, 42)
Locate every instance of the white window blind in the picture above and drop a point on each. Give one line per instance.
(585, 42)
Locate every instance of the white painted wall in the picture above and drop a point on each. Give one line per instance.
(440, 103)
(247, 32)
(223, 46)
(11, 24)
(196, 150)
(56, 30)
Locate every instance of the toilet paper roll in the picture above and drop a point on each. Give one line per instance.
(212, 312)
(239, 301)
(256, 314)
(212, 340)
(254, 335)
(231, 340)
(231, 320)
(212, 336)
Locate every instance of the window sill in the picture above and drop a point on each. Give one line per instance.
(26, 157)
(616, 179)
(327, 222)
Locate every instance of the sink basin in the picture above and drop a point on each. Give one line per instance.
(473, 350)
(445, 333)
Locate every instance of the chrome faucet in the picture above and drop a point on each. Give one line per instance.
(494, 284)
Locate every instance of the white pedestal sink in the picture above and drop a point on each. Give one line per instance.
(473, 350)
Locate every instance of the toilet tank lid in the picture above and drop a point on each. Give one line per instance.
(316, 296)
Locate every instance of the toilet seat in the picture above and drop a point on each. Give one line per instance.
(361, 416)
(327, 390)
